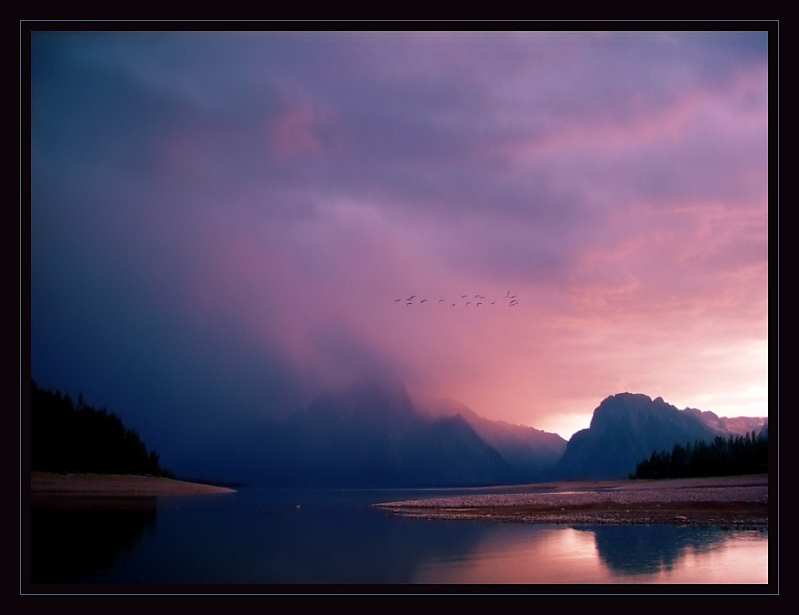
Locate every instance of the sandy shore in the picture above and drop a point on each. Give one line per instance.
(737, 501)
(47, 485)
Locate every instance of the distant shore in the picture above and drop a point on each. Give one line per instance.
(48, 485)
(732, 501)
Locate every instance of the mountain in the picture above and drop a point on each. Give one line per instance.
(739, 425)
(372, 435)
(627, 428)
(531, 452)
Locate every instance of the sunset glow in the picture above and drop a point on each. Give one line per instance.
(223, 222)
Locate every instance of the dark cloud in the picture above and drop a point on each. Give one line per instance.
(222, 221)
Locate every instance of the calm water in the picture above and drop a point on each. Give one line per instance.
(326, 537)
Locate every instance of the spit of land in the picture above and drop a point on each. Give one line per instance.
(52, 488)
(730, 501)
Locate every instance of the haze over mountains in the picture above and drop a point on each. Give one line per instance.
(373, 435)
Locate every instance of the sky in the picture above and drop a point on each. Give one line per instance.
(226, 224)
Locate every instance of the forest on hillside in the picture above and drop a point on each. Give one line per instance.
(69, 437)
(747, 454)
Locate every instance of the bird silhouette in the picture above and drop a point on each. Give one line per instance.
(477, 301)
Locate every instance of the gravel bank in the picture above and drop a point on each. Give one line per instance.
(740, 501)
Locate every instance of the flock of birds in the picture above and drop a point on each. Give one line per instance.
(465, 300)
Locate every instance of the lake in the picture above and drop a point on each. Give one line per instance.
(260, 539)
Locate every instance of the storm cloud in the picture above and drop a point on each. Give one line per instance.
(222, 222)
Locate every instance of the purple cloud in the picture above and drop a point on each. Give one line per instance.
(228, 217)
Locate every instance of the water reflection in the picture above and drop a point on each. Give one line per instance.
(522, 555)
(74, 538)
(254, 538)
(679, 554)
(556, 555)
(651, 548)
(290, 537)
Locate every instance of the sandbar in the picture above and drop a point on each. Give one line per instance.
(49, 485)
(735, 501)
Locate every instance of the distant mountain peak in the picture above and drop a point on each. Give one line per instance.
(627, 427)
(627, 407)
(370, 434)
(377, 400)
(738, 425)
(531, 451)
(372, 387)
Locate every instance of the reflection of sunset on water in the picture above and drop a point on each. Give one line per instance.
(557, 556)
(551, 555)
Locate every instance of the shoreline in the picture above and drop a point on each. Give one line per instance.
(734, 501)
(47, 486)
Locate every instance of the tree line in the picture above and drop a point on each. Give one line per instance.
(70, 437)
(738, 454)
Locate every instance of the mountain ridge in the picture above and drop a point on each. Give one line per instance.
(533, 452)
(373, 434)
(627, 428)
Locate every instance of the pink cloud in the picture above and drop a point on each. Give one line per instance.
(293, 133)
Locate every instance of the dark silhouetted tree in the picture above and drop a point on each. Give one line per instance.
(738, 454)
(78, 438)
